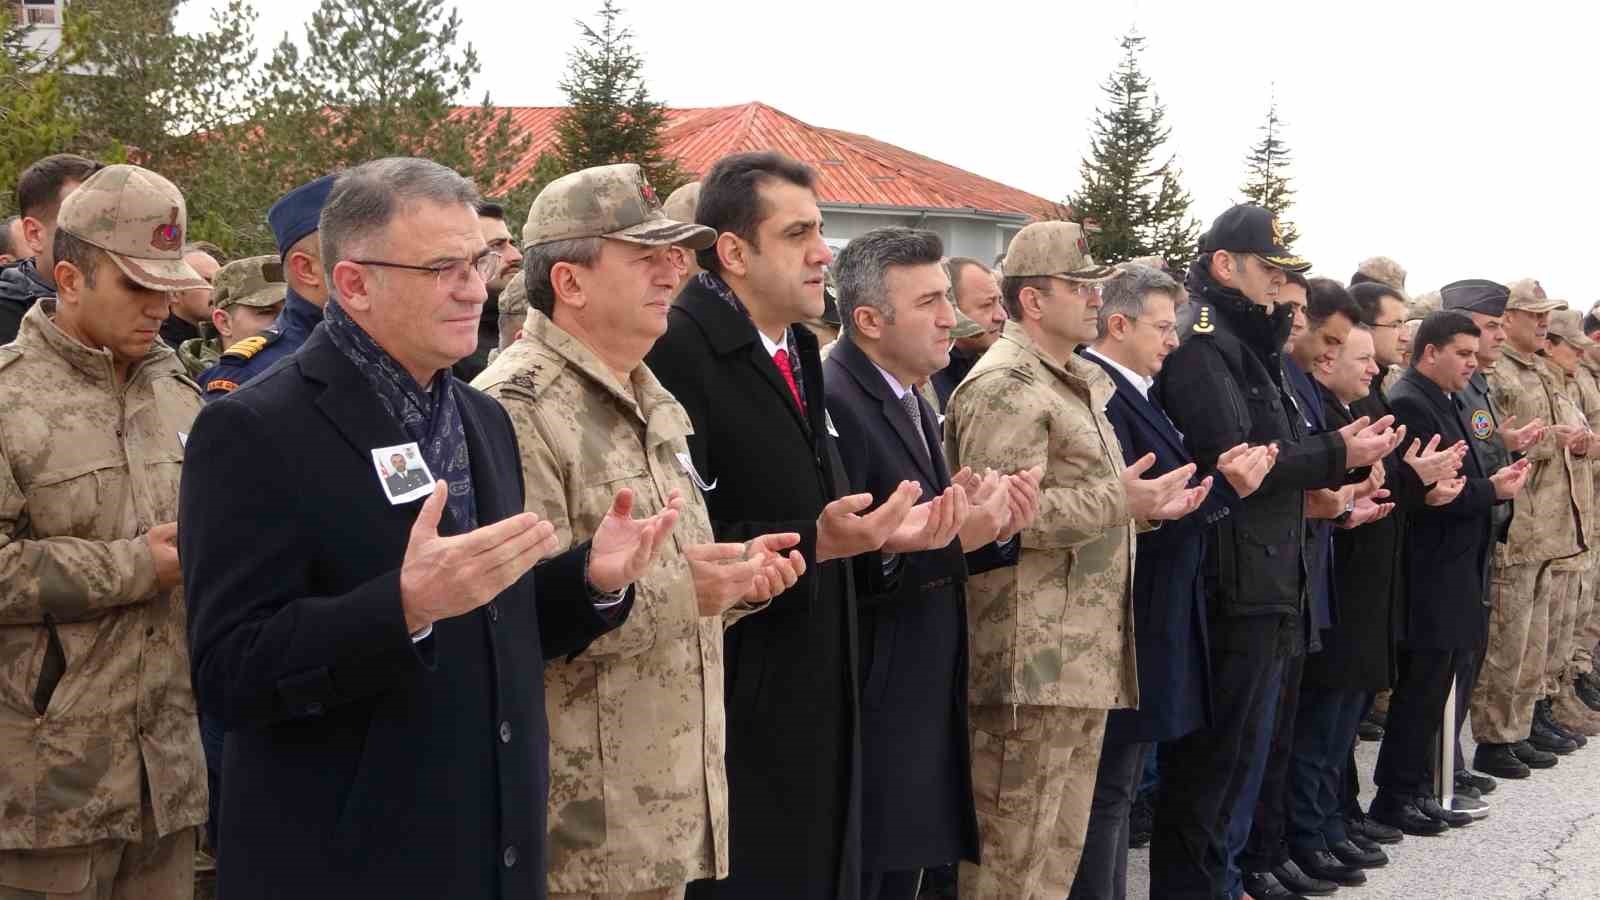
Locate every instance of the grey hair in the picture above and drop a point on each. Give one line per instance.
(1124, 295)
(365, 199)
(539, 259)
(860, 266)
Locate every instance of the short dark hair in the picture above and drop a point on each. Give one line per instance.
(6, 246)
(488, 209)
(1369, 296)
(39, 185)
(1591, 322)
(82, 254)
(860, 267)
(1297, 278)
(1326, 298)
(539, 259)
(730, 199)
(1439, 329)
(1011, 292)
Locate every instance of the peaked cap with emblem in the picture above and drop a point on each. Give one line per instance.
(608, 201)
(1529, 296)
(1054, 249)
(140, 220)
(255, 281)
(1253, 229)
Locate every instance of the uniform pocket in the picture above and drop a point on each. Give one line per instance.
(71, 502)
(47, 871)
(1006, 751)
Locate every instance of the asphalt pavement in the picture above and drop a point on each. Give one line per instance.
(1540, 840)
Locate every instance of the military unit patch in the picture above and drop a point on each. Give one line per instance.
(1482, 424)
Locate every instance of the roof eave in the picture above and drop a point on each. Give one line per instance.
(884, 209)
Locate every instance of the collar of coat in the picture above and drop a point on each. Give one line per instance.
(1082, 376)
(40, 331)
(546, 351)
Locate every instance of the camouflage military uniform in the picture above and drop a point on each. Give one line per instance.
(199, 354)
(1526, 591)
(638, 793)
(103, 756)
(1587, 634)
(1052, 638)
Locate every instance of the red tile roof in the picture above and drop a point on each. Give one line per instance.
(851, 168)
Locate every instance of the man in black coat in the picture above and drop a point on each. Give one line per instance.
(917, 803)
(1137, 329)
(1224, 387)
(1445, 588)
(378, 666)
(764, 450)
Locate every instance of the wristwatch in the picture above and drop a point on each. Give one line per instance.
(1349, 509)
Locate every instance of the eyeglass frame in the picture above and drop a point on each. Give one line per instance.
(485, 264)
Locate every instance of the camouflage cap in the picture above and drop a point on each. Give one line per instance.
(1054, 248)
(1424, 305)
(1527, 295)
(1567, 324)
(256, 281)
(514, 299)
(965, 327)
(1383, 270)
(608, 201)
(681, 203)
(140, 220)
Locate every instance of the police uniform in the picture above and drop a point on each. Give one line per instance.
(292, 218)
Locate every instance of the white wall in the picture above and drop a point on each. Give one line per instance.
(962, 236)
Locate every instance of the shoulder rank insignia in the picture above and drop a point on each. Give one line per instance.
(247, 348)
(1203, 324)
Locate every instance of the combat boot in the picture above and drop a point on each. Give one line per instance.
(1570, 713)
(1588, 689)
(1543, 719)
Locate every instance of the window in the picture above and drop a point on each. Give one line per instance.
(38, 12)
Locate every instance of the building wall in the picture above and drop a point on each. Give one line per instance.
(978, 238)
(45, 16)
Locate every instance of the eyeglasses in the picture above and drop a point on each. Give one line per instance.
(454, 274)
(1169, 329)
(1078, 287)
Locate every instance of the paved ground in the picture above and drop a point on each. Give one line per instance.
(1540, 840)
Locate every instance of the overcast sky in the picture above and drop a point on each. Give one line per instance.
(1456, 137)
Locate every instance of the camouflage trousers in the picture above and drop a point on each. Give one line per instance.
(1033, 772)
(1586, 633)
(1512, 677)
(151, 869)
(668, 893)
(1565, 589)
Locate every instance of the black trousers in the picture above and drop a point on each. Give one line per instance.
(1266, 848)
(1103, 867)
(1405, 761)
(1202, 773)
(1323, 734)
(901, 885)
(1468, 666)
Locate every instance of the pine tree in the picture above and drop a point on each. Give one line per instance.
(1267, 178)
(33, 120)
(1132, 206)
(610, 117)
(378, 78)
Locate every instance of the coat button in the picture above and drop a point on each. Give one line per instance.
(510, 857)
(313, 709)
(505, 732)
(494, 613)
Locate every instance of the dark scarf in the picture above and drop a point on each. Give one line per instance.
(431, 417)
(714, 283)
(1262, 332)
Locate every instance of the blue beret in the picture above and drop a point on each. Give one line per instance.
(296, 213)
(1477, 295)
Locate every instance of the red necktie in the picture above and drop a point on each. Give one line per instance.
(781, 360)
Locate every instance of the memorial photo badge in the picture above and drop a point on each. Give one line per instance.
(402, 472)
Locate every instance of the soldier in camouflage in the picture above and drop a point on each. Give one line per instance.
(1052, 638)
(103, 781)
(246, 298)
(638, 792)
(1527, 592)
(1578, 405)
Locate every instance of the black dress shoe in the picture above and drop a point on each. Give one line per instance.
(1483, 783)
(1431, 808)
(1369, 731)
(1325, 865)
(1359, 839)
(1467, 790)
(1404, 815)
(1265, 886)
(1374, 831)
(1292, 877)
(1351, 854)
(1501, 761)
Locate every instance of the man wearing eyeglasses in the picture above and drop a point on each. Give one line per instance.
(1223, 387)
(1051, 638)
(294, 221)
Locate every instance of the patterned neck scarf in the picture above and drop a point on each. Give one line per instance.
(431, 417)
(714, 283)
